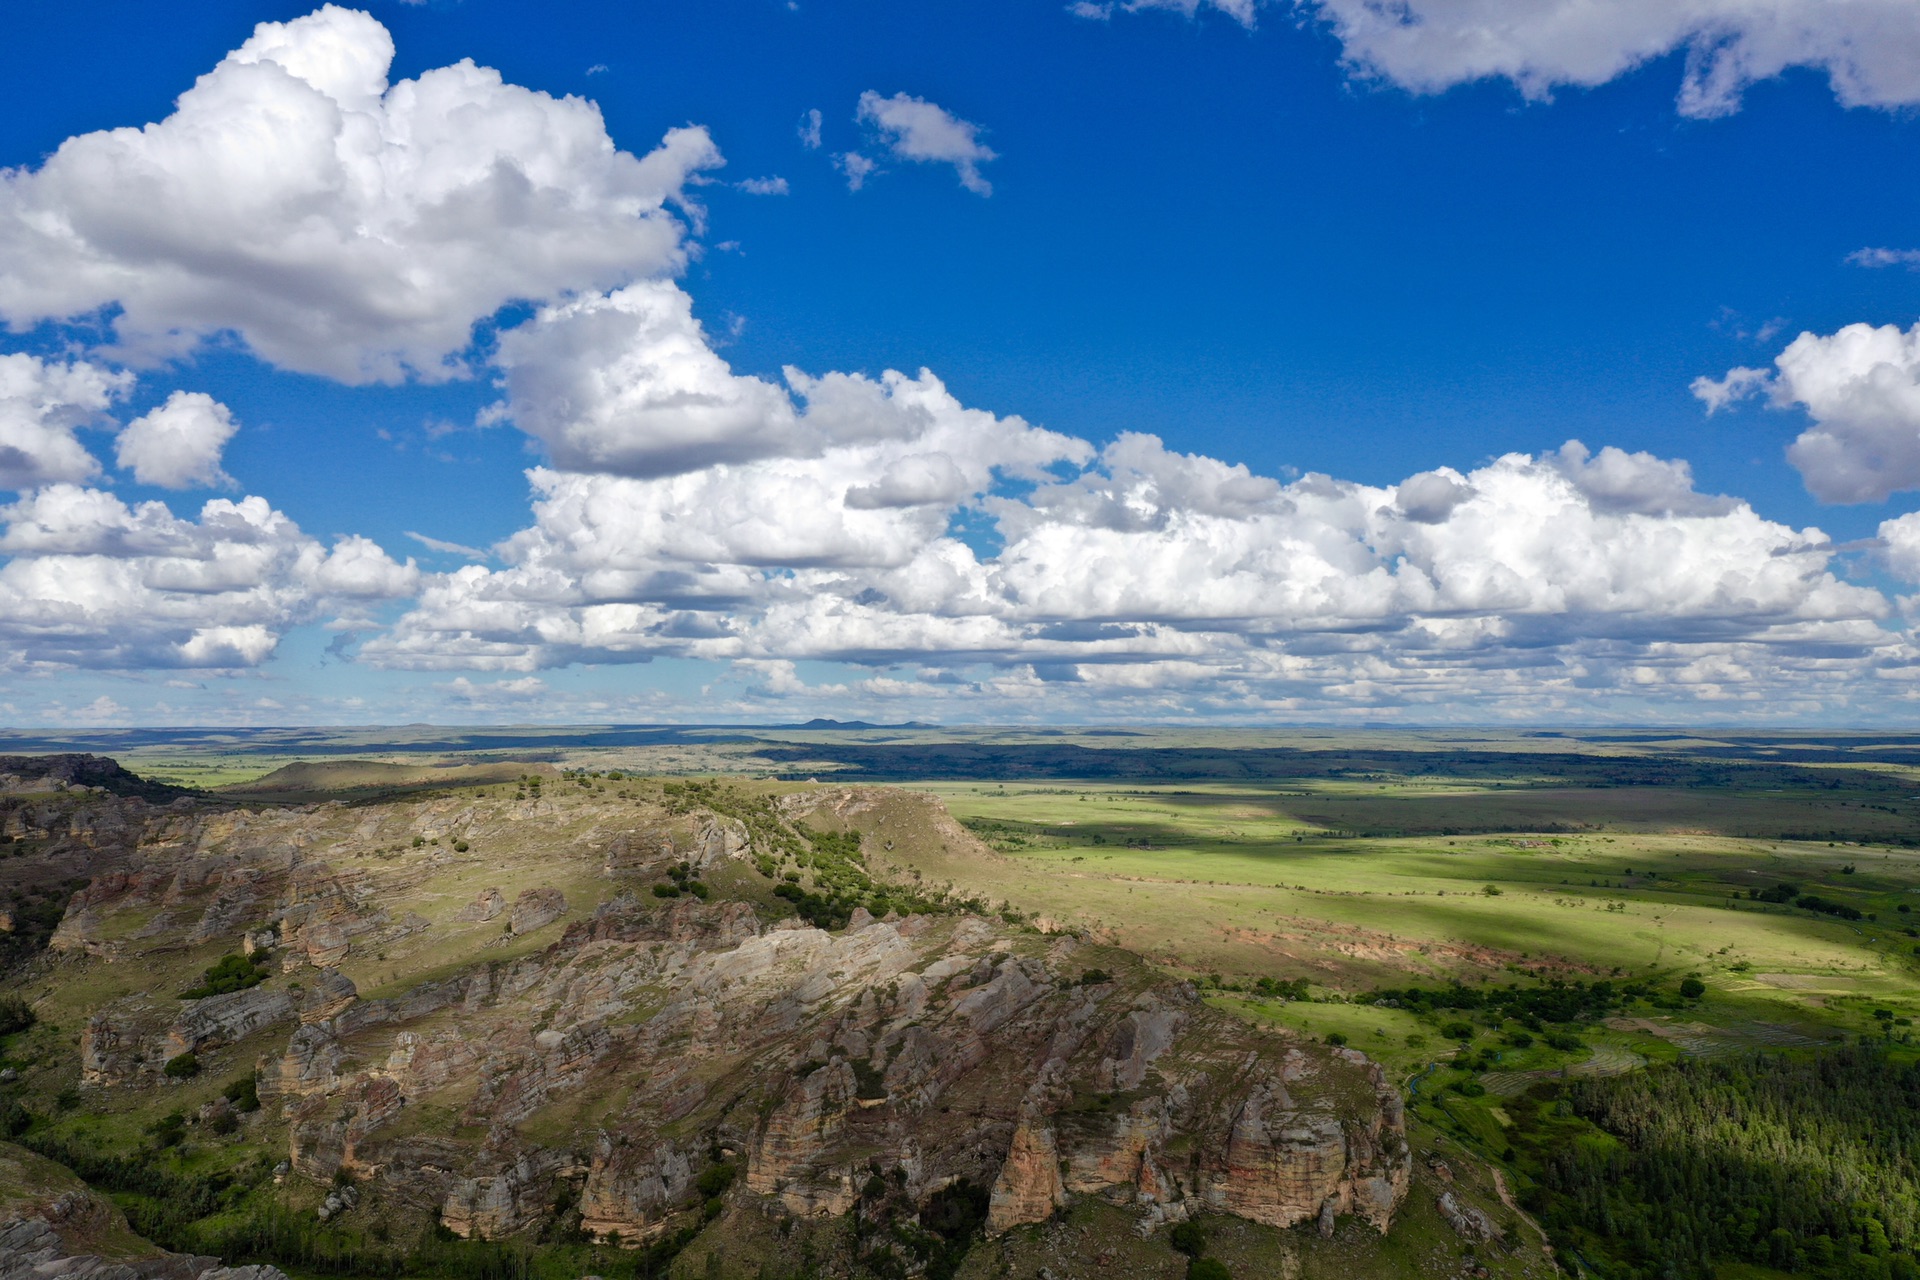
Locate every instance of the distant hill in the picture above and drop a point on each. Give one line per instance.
(89, 771)
(321, 777)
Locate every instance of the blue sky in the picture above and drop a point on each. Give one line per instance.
(1388, 272)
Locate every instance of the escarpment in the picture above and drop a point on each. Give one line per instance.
(624, 1010)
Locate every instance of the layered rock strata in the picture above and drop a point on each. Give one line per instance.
(599, 1057)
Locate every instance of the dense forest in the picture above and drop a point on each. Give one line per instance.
(1804, 1164)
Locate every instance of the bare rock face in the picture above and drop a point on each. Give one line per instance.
(719, 840)
(500, 1204)
(218, 1020)
(326, 995)
(630, 1190)
(310, 1065)
(484, 907)
(536, 907)
(329, 1131)
(104, 1047)
(1468, 1221)
(806, 1124)
(1029, 1188)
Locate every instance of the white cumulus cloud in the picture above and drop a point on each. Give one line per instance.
(627, 382)
(339, 224)
(1861, 387)
(914, 129)
(178, 445)
(1901, 536)
(42, 402)
(89, 581)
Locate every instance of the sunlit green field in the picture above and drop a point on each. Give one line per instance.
(1231, 880)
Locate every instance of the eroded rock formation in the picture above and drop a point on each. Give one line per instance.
(604, 1054)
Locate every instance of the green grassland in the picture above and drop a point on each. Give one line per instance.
(1233, 883)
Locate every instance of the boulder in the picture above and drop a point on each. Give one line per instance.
(485, 906)
(536, 907)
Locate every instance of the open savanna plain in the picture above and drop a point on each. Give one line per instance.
(1730, 909)
(1248, 881)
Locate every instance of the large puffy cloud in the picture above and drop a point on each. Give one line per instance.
(338, 224)
(865, 479)
(693, 512)
(1531, 547)
(627, 384)
(1861, 386)
(1901, 538)
(41, 404)
(1158, 579)
(178, 445)
(89, 581)
(1869, 49)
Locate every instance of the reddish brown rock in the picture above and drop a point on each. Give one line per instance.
(1029, 1188)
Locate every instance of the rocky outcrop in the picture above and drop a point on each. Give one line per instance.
(500, 1204)
(1029, 1188)
(1280, 1164)
(1468, 1221)
(328, 1132)
(535, 908)
(326, 995)
(310, 1065)
(216, 1020)
(51, 1223)
(631, 1189)
(485, 906)
(719, 840)
(31, 1249)
(607, 1064)
(805, 1125)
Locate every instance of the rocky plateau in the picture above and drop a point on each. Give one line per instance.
(495, 1008)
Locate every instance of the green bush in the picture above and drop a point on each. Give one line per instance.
(243, 1093)
(1188, 1237)
(715, 1179)
(15, 1015)
(169, 1129)
(1692, 988)
(232, 973)
(1457, 1031)
(1208, 1269)
(183, 1067)
(1335, 1038)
